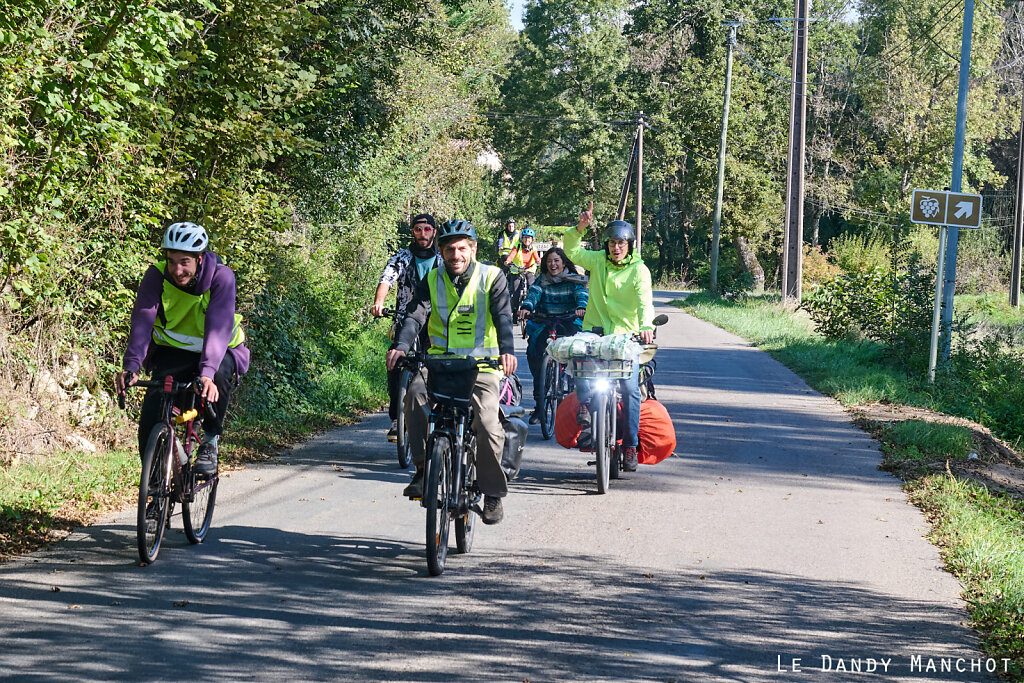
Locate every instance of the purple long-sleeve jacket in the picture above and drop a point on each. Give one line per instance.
(212, 276)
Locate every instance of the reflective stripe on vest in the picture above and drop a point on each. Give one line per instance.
(462, 325)
(182, 322)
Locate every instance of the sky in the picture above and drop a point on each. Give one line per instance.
(517, 14)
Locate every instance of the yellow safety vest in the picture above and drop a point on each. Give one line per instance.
(182, 320)
(462, 325)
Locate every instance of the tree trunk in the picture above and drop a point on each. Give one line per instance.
(750, 262)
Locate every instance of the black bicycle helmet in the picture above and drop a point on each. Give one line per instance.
(454, 228)
(619, 230)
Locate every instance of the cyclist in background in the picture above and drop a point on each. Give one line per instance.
(184, 324)
(507, 241)
(558, 292)
(620, 303)
(464, 307)
(404, 271)
(522, 263)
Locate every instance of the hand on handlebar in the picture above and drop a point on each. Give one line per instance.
(647, 336)
(377, 310)
(392, 358)
(123, 380)
(580, 312)
(209, 390)
(522, 314)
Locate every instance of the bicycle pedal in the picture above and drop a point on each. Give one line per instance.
(392, 439)
(591, 463)
(419, 498)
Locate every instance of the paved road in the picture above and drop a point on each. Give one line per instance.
(772, 537)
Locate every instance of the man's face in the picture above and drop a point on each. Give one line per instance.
(182, 266)
(458, 254)
(618, 250)
(423, 233)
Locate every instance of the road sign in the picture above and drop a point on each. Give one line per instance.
(938, 207)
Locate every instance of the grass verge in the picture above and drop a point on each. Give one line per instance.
(977, 530)
(41, 500)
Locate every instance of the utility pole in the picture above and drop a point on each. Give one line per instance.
(793, 237)
(639, 177)
(953, 232)
(620, 213)
(1018, 220)
(716, 226)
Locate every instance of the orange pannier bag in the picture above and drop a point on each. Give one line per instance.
(566, 430)
(657, 435)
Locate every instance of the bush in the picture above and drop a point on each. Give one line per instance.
(817, 268)
(732, 277)
(982, 265)
(859, 253)
(893, 307)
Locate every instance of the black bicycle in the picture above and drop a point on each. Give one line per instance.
(167, 468)
(553, 376)
(451, 493)
(410, 365)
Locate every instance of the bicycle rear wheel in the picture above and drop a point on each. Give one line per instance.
(602, 435)
(197, 514)
(154, 494)
(437, 500)
(549, 380)
(404, 454)
(465, 524)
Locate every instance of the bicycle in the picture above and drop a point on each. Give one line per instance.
(450, 475)
(605, 404)
(410, 365)
(553, 377)
(167, 474)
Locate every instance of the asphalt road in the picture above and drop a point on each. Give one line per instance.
(772, 537)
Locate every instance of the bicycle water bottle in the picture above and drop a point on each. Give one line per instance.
(182, 455)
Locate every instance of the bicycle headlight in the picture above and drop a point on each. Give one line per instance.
(602, 385)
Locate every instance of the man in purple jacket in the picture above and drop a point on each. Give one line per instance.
(184, 324)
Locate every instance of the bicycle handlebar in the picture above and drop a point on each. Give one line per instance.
(172, 386)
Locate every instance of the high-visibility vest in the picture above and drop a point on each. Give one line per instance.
(506, 243)
(462, 325)
(181, 320)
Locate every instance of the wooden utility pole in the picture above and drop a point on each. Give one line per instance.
(639, 178)
(793, 238)
(1018, 220)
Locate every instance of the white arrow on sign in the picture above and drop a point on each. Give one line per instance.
(964, 209)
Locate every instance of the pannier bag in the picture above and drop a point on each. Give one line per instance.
(657, 435)
(516, 430)
(510, 393)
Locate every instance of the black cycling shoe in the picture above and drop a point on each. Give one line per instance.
(493, 512)
(415, 487)
(535, 417)
(206, 460)
(583, 415)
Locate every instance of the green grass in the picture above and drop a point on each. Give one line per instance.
(60, 492)
(852, 372)
(989, 309)
(979, 532)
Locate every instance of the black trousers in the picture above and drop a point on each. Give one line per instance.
(184, 366)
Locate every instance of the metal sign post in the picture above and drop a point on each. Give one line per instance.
(938, 207)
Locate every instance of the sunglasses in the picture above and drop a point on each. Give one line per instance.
(422, 227)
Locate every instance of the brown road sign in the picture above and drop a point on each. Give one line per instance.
(929, 207)
(963, 210)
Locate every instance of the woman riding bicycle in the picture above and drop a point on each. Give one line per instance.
(522, 263)
(559, 292)
(620, 303)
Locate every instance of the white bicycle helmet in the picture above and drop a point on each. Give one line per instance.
(185, 237)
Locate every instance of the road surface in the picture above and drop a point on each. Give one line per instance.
(771, 548)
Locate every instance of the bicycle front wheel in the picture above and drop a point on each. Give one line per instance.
(549, 380)
(197, 514)
(154, 493)
(438, 499)
(602, 436)
(465, 524)
(404, 454)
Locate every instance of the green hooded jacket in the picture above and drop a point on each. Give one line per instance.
(620, 295)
